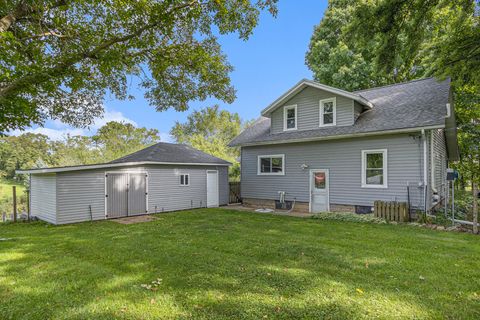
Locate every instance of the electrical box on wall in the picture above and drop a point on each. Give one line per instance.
(452, 174)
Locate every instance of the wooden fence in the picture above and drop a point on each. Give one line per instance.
(392, 211)
(234, 194)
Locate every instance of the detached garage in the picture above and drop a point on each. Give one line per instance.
(163, 177)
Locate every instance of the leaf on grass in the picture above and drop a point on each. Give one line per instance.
(359, 290)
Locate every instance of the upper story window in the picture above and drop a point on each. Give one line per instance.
(290, 118)
(328, 112)
(271, 165)
(184, 179)
(374, 168)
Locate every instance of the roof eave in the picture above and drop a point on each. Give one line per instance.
(341, 136)
(113, 165)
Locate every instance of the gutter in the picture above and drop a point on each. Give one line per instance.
(424, 140)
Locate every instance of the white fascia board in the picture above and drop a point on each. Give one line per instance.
(114, 165)
(305, 83)
(342, 136)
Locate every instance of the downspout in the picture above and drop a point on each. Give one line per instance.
(424, 137)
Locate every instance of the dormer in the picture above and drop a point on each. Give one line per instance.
(310, 105)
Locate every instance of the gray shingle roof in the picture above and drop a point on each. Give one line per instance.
(170, 152)
(418, 103)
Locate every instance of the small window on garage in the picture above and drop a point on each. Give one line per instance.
(184, 179)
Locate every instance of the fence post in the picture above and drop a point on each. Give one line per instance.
(28, 204)
(14, 191)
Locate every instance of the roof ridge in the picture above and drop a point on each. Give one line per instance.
(143, 149)
(394, 84)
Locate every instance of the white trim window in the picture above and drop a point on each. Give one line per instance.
(290, 118)
(185, 179)
(328, 112)
(271, 165)
(374, 168)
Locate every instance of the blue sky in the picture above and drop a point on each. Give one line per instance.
(266, 65)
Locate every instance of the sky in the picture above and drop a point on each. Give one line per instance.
(265, 66)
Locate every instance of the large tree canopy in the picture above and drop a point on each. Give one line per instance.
(361, 44)
(58, 58)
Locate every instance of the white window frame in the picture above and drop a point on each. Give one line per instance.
(364, 169)
(285, 109)
(259, 173)
(180, 179)
(322, 102)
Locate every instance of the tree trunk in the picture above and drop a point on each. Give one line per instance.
(475, 207)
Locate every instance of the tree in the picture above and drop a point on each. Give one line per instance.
(441, 35)
(210, 130)
(468, 120)
(362, 44)
(338, 59)
(28, 150)
(58, 58)
(116, 139)
(76, 150)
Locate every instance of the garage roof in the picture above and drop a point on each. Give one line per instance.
(160, 153)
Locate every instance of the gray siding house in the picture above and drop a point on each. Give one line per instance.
(326, 149)
(163, 177)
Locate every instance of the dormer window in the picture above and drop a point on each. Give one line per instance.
(328, 112)
(290, 118)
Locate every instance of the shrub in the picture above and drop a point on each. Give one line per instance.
(347, 216)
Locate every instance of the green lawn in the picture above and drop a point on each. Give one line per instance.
(221, 264)
(6, 189)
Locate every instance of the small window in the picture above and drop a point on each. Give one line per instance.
(374, 168)
(184, 179)
(328, 112)
(290, 118)
(271, 165)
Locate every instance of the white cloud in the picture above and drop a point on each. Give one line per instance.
(111, 116)
(57, 130)
(54, 134)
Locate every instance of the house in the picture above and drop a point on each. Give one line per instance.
(325, 149)
(163, 177)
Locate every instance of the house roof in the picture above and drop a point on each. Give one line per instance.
(302, 84)
(405, 107)
(160, 153)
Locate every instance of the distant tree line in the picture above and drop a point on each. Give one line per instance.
(209, 130)
(111, 141)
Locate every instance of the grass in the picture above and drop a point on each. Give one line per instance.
(6, 189)
(222, 264)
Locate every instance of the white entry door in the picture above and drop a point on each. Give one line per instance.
(212, 188)
(319, 189)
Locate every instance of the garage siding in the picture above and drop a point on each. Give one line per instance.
(42, 198)
(166, 194)
(76, 191)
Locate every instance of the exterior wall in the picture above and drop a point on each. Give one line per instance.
(343, 159)
(437, 162)
(42, 197)
(308, 110)
(357, 110)
(166, 194)
(77, 190)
